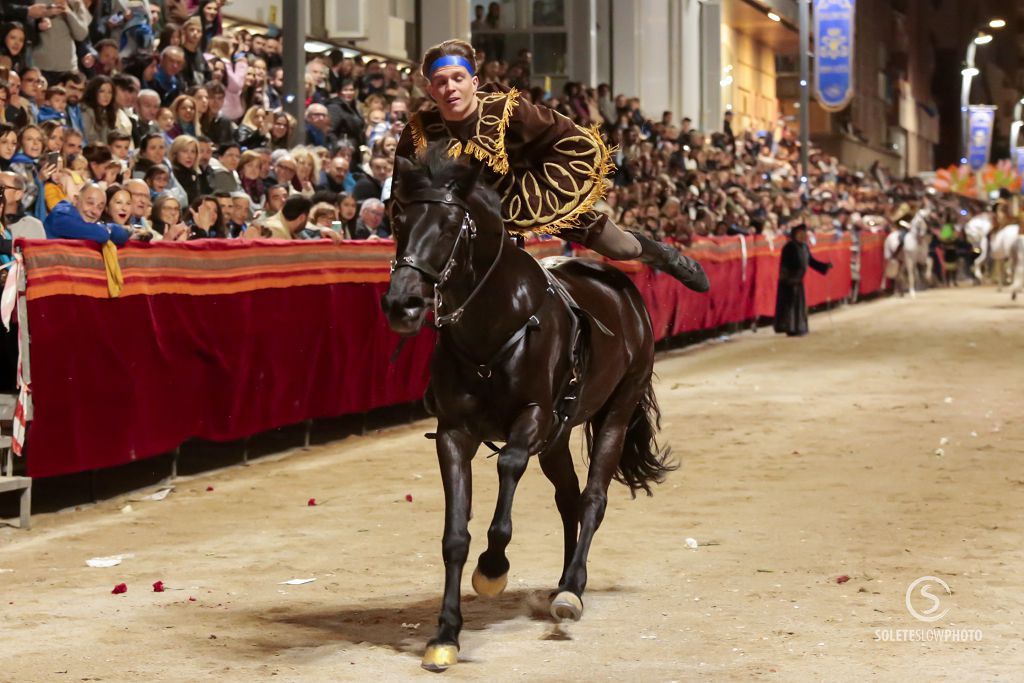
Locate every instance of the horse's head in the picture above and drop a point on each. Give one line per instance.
(429, 211)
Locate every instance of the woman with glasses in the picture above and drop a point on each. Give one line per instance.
(166, 220)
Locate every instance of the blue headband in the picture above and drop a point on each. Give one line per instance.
(450, 60)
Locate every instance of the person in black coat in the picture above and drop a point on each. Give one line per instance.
(790, 300)
(346, 121)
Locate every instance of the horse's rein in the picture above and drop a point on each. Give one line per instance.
(468, 232)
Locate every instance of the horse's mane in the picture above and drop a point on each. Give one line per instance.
(437, 169)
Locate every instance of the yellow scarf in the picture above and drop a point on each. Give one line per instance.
(115, 280)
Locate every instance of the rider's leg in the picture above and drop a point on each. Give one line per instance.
(612, 242)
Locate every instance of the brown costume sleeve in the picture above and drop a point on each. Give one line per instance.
(557, 171)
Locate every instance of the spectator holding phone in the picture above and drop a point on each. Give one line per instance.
(29, 163)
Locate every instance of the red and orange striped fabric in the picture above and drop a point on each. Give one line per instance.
(55, 267)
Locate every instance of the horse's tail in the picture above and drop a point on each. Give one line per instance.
(643, 462)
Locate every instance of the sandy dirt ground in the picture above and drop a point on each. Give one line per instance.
(802, 461)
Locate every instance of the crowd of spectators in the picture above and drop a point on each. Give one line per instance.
(175, 128)
(181, 124)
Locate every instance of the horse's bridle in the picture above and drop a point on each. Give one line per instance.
(467, 233)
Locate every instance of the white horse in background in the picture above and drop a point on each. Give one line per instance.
(1018, 269)
(1002, 250)
(903, 263)
(977, 231)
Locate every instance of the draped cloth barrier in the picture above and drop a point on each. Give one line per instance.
(223, 339)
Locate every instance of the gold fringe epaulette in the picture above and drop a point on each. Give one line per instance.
(419, 140)
(496, 160)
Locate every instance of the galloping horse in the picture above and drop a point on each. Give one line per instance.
(508, 368)
(904, 261)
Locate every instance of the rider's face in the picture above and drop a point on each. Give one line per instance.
(453, 89)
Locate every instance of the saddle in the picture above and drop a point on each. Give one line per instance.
(582, 323)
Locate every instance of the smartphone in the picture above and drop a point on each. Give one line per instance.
(51, 159)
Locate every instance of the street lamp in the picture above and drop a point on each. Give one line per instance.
(969, 72)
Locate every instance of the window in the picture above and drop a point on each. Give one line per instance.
(510, 29)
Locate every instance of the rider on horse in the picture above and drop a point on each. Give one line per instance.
(548, 171)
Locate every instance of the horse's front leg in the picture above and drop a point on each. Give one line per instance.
(911, 266)
(455, 450)
(980, 261)
(491, 574)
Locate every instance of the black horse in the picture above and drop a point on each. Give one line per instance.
(516, 363)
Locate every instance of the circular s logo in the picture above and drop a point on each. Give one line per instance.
(931, 612)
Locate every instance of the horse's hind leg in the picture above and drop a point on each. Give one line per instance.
(455, 451)
(609, 436)
(491, 574)
(557, 465)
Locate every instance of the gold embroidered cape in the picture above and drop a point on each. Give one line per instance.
(548, 171)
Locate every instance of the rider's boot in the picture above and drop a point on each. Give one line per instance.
(668, 259)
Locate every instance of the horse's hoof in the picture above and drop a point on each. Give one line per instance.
(488, 587)
(567, 605)
(438, 658)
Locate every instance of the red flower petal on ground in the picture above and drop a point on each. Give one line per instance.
(120, 588)
(311, 502)
(158, 587)
(191, 599)
(842, 579)
(209, 488)
(408, 497)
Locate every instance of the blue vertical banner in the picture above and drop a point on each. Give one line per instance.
(980, 120)
(1020, 166)
(834, 21)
